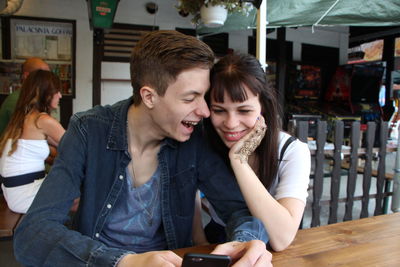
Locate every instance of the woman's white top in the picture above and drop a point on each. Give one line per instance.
(293, 174)
(29, 157)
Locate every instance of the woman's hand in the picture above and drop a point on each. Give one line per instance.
(248, 144)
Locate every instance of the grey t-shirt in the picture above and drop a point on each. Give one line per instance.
(135, 222)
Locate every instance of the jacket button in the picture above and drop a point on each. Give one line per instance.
(97, 235)
(121, 177)
(108, 206)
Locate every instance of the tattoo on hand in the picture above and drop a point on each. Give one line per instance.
(252, 142)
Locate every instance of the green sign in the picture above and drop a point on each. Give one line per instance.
(102, 12)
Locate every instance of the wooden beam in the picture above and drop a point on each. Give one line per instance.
(96, 70)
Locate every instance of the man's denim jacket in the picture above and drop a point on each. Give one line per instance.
(91, 164)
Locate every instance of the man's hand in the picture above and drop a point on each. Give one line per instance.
(154, 258)
(246, 254)
(248, 144)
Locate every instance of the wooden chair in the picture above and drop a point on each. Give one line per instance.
(342, 159)
(8, 219)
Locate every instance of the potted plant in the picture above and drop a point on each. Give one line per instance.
(204, 10)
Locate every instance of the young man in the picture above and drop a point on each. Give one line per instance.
(136, 172)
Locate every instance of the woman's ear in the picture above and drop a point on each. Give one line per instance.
(149, 96)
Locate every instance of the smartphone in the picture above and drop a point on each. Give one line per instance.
(205, 260)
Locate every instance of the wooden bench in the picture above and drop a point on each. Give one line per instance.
(8, 219)
(374, 173)
(360, 170)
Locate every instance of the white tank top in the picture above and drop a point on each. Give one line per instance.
(28, 158)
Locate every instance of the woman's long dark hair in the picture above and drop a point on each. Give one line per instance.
(37, 91)
(230, 75)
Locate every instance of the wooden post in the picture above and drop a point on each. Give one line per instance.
(380, 179)
(96, 69)
(302, 131)
(351, 180)
(319, 173)
(367, 168)
(335, 180)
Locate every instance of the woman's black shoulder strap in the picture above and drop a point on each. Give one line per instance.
(287, 143)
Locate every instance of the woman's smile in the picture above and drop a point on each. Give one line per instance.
(234, 136)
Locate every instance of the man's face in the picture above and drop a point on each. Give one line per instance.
(183, 106)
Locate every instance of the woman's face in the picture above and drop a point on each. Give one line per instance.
(55, 100)
(233, 120)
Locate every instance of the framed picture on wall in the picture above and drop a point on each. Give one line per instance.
(53, 40)
(49, 40)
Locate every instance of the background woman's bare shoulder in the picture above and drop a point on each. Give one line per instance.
(51, 128)
(46, 122)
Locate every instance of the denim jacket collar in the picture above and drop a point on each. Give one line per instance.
(117, 139)
(119, 128)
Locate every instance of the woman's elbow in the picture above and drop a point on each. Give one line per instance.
(279, 247)
(282, 244)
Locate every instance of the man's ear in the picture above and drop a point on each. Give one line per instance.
(149, 96)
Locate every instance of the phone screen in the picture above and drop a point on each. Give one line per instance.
(205, 260)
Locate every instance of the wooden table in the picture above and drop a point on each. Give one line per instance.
(373, 241)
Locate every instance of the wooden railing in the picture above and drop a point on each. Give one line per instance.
(345, 161)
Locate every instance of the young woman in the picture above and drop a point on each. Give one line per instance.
(245, 127)
(25, 142)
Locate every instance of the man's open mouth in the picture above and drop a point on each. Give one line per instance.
(189, 124)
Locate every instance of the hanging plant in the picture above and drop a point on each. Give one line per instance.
(193, 7)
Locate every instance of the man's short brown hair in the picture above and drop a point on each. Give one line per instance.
(160, 56)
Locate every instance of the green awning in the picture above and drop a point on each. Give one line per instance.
(295, 13)
(339, 12)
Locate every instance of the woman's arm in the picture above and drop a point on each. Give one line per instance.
(281, 218)
(53, 153)
(51, 128)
